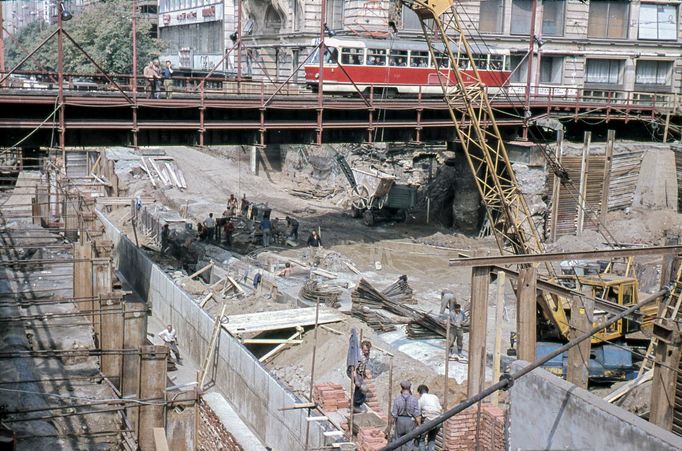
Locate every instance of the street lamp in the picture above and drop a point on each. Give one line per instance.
(65, 13)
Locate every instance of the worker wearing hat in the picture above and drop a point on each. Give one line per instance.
(405, 413)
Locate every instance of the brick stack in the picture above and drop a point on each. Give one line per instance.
(370, 439)
(372, 400)
(461, 429)
(212, 433)
(330, 397)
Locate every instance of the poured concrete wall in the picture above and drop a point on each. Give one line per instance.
(549, 413)
(255, 394)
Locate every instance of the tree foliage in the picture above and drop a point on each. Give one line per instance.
(103, 30)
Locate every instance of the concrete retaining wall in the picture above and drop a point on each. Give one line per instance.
(549, 413)
(255, 394)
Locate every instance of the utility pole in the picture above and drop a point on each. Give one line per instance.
(2, 42)
(60, 78)
(529, 74)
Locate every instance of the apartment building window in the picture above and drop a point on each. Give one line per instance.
(520, 16)
(656, 73)
(519, 67)
(553, 17)
(604, 72)
(551, 68)
(490, 16)
(410, 20)
(335, 14)
(608, 19)
(658, 21)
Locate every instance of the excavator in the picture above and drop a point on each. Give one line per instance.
(506, 209)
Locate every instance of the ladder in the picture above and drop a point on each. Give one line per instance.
(347, 171)
(670, 309)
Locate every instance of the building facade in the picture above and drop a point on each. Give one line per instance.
(196, 32)
(606, 47)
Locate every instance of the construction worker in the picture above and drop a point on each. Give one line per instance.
(457, 319)
(405, 413)
(266, 228)
(152, 72)
(359, 373)
(209, 223)
(286, 272)
(314, 239)
(447, 300)
(170, 339)
(228, 229)
(293, 228)
(430, 408)
(232, 204)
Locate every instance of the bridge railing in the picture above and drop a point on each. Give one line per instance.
(215, 86)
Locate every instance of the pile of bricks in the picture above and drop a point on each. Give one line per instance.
(460, 432)
(372, 400)
(212, 433)
(370, 439)
(330, 397)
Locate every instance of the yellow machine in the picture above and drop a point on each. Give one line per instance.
(483, 145)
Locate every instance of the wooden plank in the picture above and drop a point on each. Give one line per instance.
(149, 173)
(160, 439)
(205, 300)
(156, 168)
(352, 268)
(526, 318)
(480, 280)
(270, 341)
(582, 200)
(579, 355)
(201, 271)
(173, 175)
(235, 284)
(282, 346)
(499, 319)
(556, 187)
(279, 319)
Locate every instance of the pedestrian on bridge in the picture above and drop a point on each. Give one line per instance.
(152, 72)
(167, 74)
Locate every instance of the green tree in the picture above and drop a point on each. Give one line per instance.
(103, 30)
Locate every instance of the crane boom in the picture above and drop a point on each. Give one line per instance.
(481, 141)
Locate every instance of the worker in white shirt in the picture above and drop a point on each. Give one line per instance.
(430, 408)
(169, 337)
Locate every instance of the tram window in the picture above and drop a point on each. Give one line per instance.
(481, 61)
(351, 56)
(496, 62)
(398, 58)
(442, 62)
(376, 57)
(330, 55)
(419, 58)
(463, 62)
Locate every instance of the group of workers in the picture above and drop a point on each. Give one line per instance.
(407, 411)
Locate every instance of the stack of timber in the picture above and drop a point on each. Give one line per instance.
(400, 291)
(624, 175)
(165, 170)
(374, 318)
(314, 291)
(365, 295)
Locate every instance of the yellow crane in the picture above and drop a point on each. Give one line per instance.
(482, 143)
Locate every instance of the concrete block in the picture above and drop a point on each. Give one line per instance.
(224, 343)
(260, 379)
(276, 399)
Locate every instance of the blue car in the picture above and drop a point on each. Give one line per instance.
(608, 363)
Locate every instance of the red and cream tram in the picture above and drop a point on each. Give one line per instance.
(397, 67)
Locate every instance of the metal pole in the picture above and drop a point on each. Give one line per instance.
(239, 45)
(507, 380)
(2, 42)
(312, 370)
(320, 79)
(529, 75)
(447, 367)
(60, 77)
(134, 87)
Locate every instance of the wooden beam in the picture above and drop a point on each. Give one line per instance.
(558, 256)
(556, 186)
(579, 355)
(608, 161)
(282, 346)
(160, 439)
(480, 280)
(526, 316)
(235, 284)
(499, 319)
(668, 354)
(584, 167)
(201, 271)
(270, 341)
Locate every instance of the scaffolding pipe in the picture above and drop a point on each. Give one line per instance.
(507, 380)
